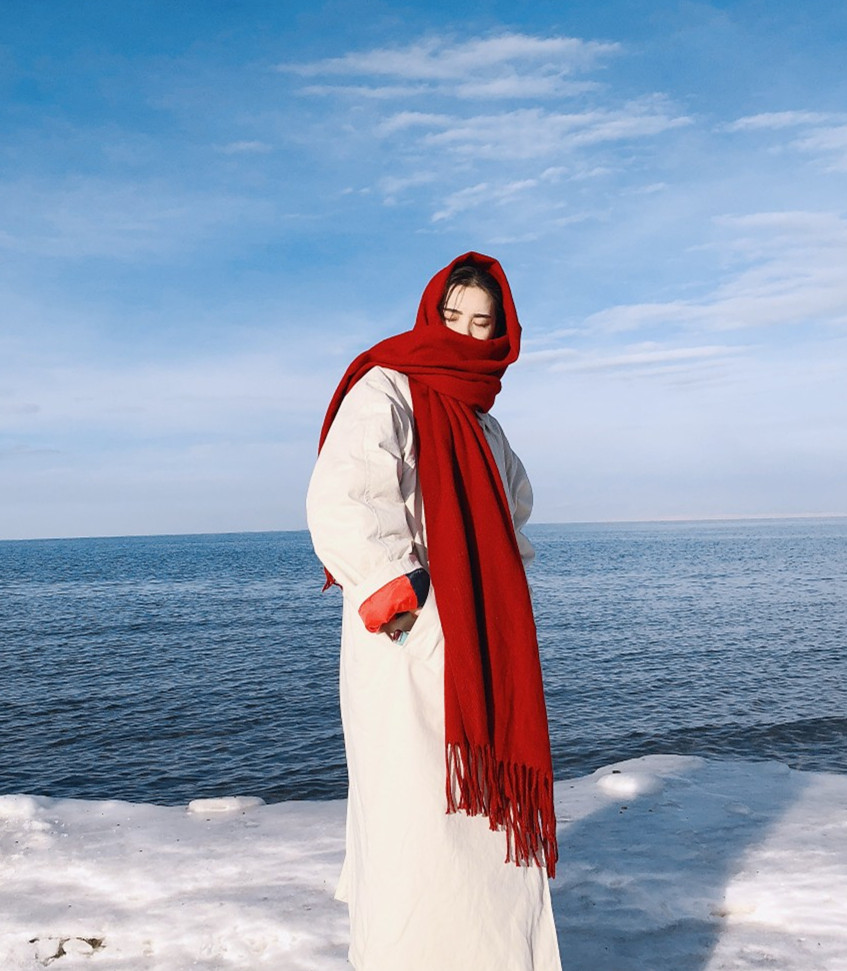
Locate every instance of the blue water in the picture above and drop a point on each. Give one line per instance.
(159, 669)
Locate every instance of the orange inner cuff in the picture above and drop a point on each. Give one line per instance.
(395, 597)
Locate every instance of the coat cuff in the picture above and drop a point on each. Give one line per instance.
(402, 594)
(357, 594)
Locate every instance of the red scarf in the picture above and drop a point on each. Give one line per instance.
(495, 720)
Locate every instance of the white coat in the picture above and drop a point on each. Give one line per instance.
(427, 891)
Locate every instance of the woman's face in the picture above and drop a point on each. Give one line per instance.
(470, 311)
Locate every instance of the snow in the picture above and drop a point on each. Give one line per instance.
(668, 862)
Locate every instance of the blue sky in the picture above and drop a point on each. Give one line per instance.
(208, 208)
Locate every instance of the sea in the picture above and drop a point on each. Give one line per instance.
(159, 669)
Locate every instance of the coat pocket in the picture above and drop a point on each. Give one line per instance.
(426, 639)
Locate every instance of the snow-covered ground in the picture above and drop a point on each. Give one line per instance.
(668, 862)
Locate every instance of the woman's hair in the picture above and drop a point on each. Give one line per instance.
(471, 275)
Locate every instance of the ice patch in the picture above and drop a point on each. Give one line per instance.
(732, 866)
(629, 784)
(18, 807)
(225, 804)
(21, 828)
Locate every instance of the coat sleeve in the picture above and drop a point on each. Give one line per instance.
(515, 483)
(355, 505)
(520, 495)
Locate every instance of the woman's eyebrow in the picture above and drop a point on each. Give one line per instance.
(454, 310)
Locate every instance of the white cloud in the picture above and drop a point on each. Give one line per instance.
(405, 120)
(472, 140)
(792, 275)
(435, 60)
(649, 358)
(825, 135)
(783, 228)
(688, 428)
(829, 144)
(245, 148)
(828, 139)
(536, 133)
(517, 86)
(508, 86)
(774, 120)
(376, 92)
(488, 194)
(648, 190)
(393, 186)
(511, 65)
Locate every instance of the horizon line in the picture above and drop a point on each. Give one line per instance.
(723, 518)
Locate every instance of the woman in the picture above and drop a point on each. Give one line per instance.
(415, 508)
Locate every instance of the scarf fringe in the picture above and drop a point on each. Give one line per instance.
(517, 799)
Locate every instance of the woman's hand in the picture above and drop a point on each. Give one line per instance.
(400, 624)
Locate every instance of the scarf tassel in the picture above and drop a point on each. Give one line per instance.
(517, 799)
